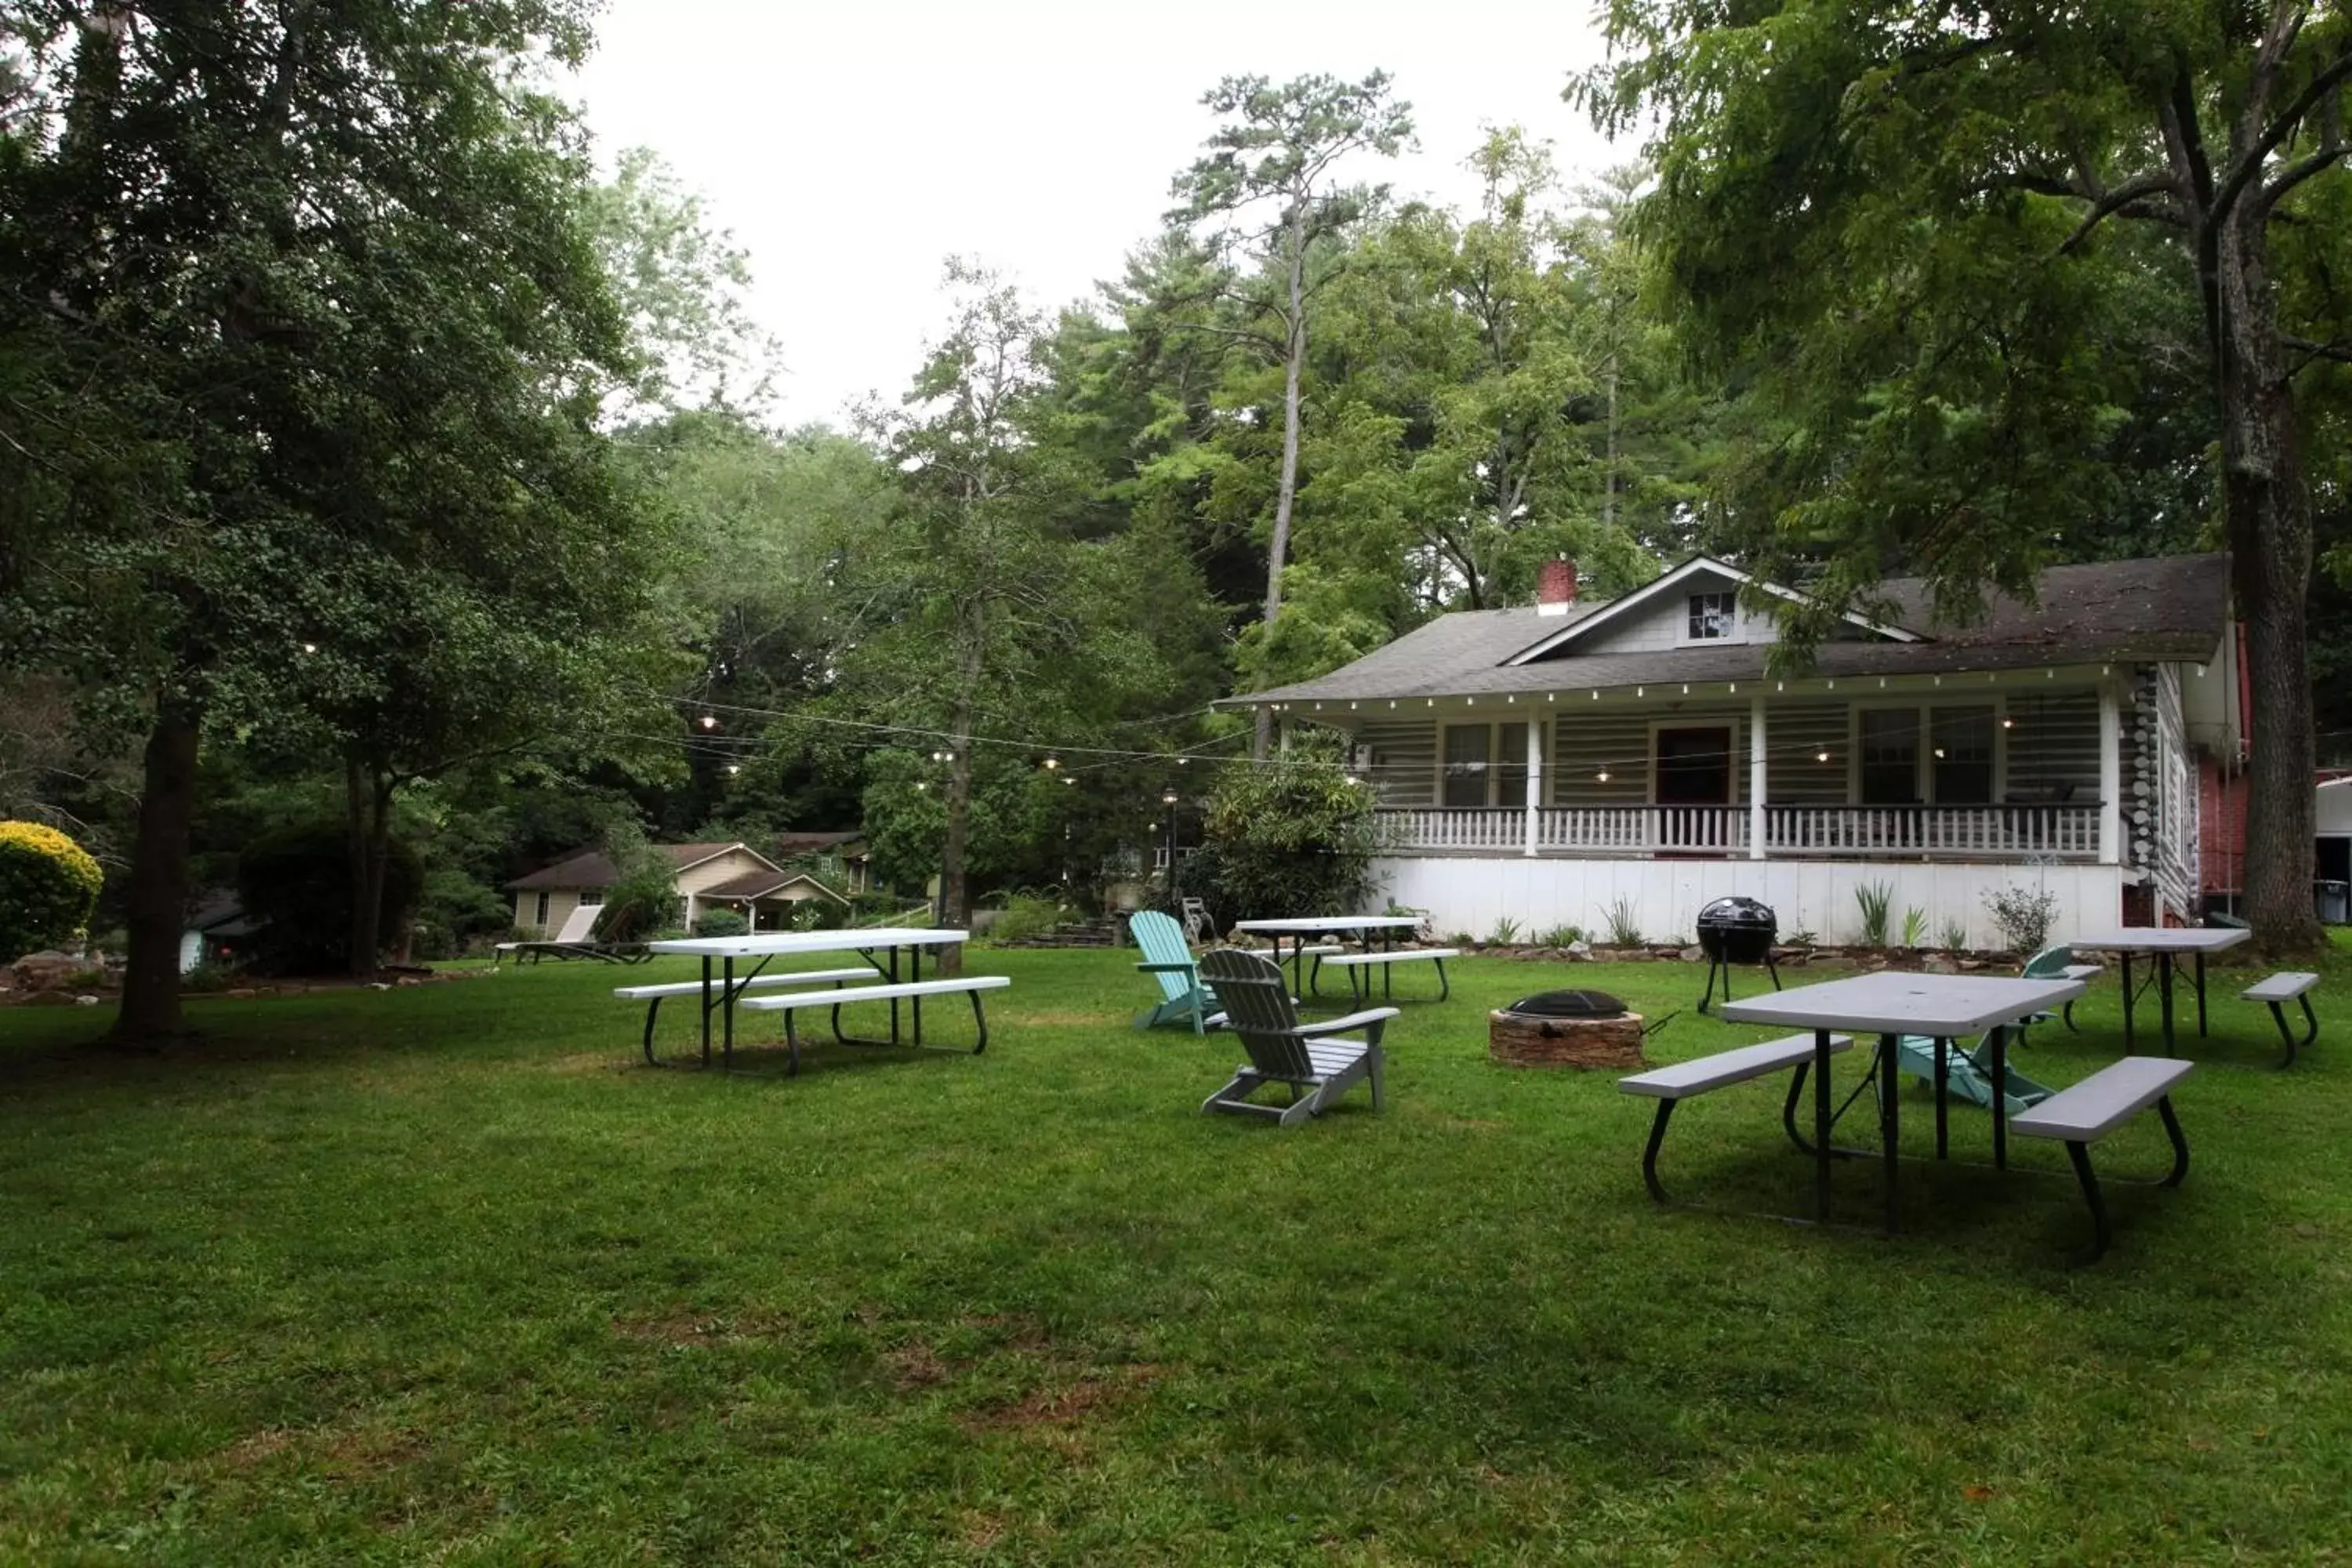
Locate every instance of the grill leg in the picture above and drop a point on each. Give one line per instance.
(1649, 1154)
(1708, 995)
(1771, 969)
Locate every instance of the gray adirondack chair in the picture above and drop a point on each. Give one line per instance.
(1314, 1061)
(1168, 960)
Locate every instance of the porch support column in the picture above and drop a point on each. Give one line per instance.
(1756, 778)
(1535, 780)
(2111, 776)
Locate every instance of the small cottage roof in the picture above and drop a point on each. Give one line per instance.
(595, 868)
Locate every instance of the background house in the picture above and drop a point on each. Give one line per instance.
(841, 859)
(545, 899)
(1547, 765)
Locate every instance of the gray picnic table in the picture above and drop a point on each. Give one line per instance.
(1893, 1003)
(2165, 944)
(1304, 929)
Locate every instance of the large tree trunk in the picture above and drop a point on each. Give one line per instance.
(367, 804)
(1294, 365)
(159, 878)
(955, 886)
(2267, 505)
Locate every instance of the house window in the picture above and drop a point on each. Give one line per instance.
(1711, 617)
(1961, 754)
(1889, 756)
(591, 897)
(1467, 750)
(540, 919)
(1485, 764)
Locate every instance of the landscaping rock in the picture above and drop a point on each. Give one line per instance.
(1941, 966)
(1577, 949)
(1694, 954)
(47, 971)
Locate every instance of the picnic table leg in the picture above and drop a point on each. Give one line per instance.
(2001, 1097)
(2125, 956)
(2200, 995)
(1943, 1079)
(1821, 1125)
(915, 1005)
(2164, 996)
(705, 1009)
(1890, 1126)
(727, 1003)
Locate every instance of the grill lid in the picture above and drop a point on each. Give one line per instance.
(1568, 1004)
(1728, 913)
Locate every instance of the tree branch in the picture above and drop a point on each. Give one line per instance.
(2116, 200)
(2313, 351)
(2295, 173)
(2248, 165)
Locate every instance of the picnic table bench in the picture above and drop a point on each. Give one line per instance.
(653, 995)
(1670, 1086)
(1359, 984)
(915, 990)
(2288, 985)
(2082, 1115)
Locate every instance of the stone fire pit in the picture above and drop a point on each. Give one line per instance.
(1565, 1029)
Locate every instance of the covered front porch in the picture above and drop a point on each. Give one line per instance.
(2060, 832)
(2026, 767)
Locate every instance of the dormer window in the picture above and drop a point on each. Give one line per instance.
(1712, 617)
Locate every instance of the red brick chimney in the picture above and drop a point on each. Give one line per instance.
(1556, 587)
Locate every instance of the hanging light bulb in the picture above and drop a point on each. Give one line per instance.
(1603, 775)
(310, 648)
(1820, 756)
(1052, 763)
(734, 768)
(709, 721)
(2007, 722)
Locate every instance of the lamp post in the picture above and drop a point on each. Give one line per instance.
(1168, 799)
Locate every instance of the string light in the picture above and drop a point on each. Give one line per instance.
(734, 768)
(1053, 763)
(1820, 756)
(1603, 775)
(310, 648)
(709, 721)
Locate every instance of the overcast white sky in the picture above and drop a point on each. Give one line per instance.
(851, 150)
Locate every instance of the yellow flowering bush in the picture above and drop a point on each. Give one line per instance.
(48, 885)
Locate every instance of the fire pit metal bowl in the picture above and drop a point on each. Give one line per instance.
(1737, 931)
(1565, 1029)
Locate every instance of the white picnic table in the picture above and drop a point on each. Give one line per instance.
(879, 946)
(1888, 1004)
(1302, 929)
(2165, 944)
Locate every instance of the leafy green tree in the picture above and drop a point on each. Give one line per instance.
(311, 288)
(1269, 177)
(1901, 225)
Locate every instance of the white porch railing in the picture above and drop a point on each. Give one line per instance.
(1790, 832)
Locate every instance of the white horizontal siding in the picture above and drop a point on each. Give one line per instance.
(1465, 894)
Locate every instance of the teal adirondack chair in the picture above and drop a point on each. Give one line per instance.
(1168, 960)
(2058, 964)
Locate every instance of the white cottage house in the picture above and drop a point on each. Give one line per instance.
(1542, 764)
(709, 875)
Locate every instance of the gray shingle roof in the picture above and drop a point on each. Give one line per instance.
(593, 867)
(2169, 607)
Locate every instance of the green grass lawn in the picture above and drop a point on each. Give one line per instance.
(444, 1275)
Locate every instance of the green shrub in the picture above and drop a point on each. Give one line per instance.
(721, 923)
(296, 886)
(644, 899)
(48, 885)
(1875, 900)
(1288, 838)
(1027, 915)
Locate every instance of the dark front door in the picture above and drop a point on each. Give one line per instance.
(1693, 773)
(1695, 767)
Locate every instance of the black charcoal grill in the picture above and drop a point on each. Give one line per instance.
(1737, 931)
